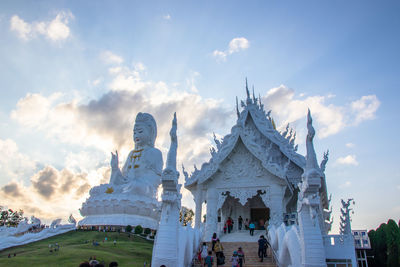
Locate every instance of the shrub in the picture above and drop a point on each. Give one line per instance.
(128, 229)
(147, 231)
(138, 229)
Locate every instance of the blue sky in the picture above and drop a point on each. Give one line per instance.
(74, 74)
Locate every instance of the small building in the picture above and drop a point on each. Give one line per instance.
(361, 244)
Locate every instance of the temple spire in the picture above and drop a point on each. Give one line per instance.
(254, 97)
(237, 108)
(311, 158)
(248, 100)
(171, 157)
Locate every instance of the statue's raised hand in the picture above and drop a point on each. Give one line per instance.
(172, 133)
(114, 160)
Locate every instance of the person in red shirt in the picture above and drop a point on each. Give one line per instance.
(229, 223)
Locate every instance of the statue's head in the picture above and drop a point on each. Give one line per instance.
(145, 130)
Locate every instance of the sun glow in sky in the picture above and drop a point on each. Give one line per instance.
(74, 74)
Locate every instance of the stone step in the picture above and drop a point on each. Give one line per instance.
(250, 250)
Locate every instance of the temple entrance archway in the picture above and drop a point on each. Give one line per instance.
(254, 210)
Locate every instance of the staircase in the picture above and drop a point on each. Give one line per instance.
(250, 250)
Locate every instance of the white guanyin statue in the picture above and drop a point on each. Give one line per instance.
(130, 196)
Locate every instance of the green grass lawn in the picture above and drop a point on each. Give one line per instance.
(128, 251)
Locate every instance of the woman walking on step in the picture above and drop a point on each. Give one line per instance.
(213, 241)
(235, 259)
(219, 254)
(241, 256)
(218, 248)
(204, 252)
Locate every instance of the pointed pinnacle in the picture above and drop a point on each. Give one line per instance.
(247, 90)
(237, 108)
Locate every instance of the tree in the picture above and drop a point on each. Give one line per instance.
(9, 217)
(147, 231)
(128, 228)
(385, 244)
(186, 216)
(373, 251)
(393, 243)
(138, 229)
(381, 247)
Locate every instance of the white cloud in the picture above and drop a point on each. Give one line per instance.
(139, 66)
(23, 29)
(97, 81)
(111, 58)
(191, 81)
(106, 123)
(54, 30)
(49, 188)
(350, 145)
(235, 45)
(348, 160)
(330, 118)
(345, 185)
(365, 108)
(14, 164)
(167, 17)
(238, 44)
(220, 55)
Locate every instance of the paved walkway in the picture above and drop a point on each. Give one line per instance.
(242, 236)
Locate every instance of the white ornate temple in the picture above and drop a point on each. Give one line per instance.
(253, 173)
(256, 173)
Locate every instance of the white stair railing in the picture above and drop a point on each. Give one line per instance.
(275, 258)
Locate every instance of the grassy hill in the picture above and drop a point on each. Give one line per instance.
(76, 247)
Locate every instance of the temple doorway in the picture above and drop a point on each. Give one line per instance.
(253, 210)
(260, 217)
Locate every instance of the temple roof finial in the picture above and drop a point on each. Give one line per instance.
(254, 97)
(248, 100)
(171, 157)
(311, 158)
(237, 108)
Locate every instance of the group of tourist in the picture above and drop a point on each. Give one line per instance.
(95, 263)
(228, 226)
(54, 247)
(248, 225)
(205, 255)
(206, 259)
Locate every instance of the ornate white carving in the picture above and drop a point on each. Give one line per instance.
(276, 153)
(243, 194)
(221, 199)
(266, 197)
